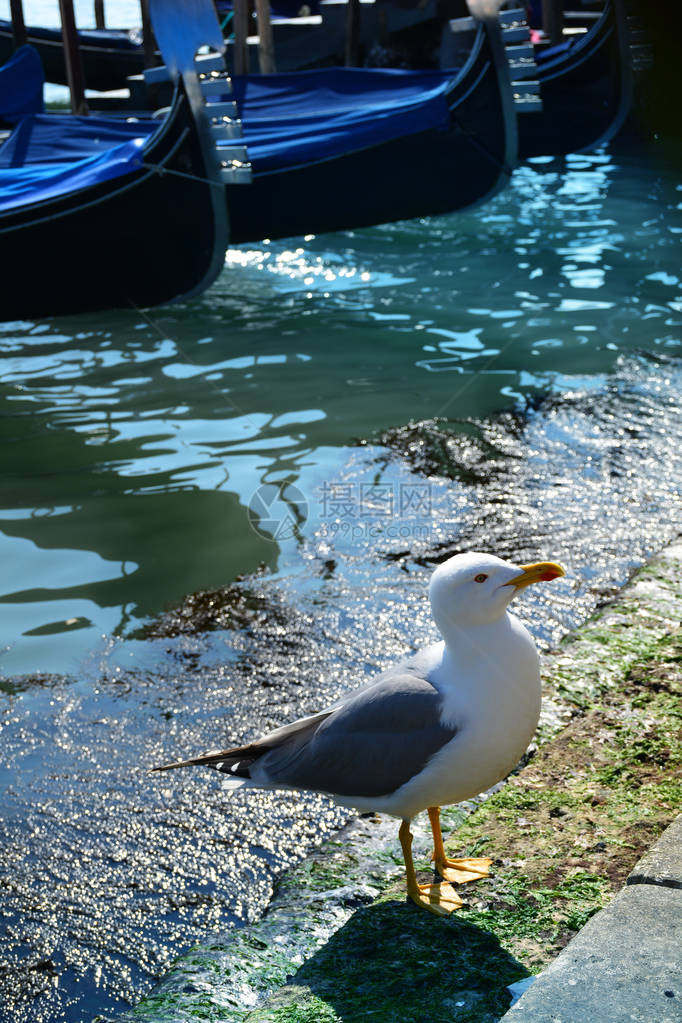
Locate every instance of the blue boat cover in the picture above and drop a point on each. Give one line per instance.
(21, 85)
(301, 117)
(288, 120)
(551, 52)
(60, 138)
(49, 155)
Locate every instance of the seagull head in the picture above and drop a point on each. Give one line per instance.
(474, 589)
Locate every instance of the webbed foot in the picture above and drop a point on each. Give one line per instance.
(461, 870)
(439, 897)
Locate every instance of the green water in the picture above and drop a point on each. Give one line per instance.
(134, 445)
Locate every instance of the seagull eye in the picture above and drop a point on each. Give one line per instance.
(480, 578)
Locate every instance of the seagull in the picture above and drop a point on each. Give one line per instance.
(439, 727)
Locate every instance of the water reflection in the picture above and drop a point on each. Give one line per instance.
(135, 445)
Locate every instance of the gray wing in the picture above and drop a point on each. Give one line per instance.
(370, 745)
(238, 759)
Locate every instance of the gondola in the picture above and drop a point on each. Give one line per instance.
(102, 212)
(412, 144)
(330, 150)
(585, 84)
(111, 55)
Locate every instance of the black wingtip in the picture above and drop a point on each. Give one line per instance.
(208, 759)
(170, 767)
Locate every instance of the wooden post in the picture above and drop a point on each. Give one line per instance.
(553, 20)
(148, 41)
(72, 58)
(18, 23)
(241, 30)
(266, 47)
(353, 34)
(99, 14)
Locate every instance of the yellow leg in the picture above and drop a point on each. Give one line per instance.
(459, 871)
(439, 898)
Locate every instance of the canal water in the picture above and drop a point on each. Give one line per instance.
(307, 439)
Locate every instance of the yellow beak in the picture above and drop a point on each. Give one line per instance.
(539, 571)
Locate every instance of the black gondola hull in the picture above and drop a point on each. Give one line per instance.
(586, 94)
(139, 240)
(424, 174)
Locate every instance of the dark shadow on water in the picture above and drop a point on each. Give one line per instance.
(394, 962)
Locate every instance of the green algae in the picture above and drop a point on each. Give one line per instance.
(237, 606)
(457, 449)
(341, 942)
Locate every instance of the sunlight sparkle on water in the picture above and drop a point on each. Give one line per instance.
(298, 268)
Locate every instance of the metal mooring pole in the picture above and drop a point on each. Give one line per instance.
(241, 30)
(353, 33)
(553, 20)
(75, 76)
(18, 24)
(266, 46)
(148, 41)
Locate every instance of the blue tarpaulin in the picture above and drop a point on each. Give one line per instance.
(49, 156)
(304, 116)
(21, 85)
(288, 119)
(59, 138)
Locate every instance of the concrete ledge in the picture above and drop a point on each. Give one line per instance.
(624, 965)
(662, 865)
